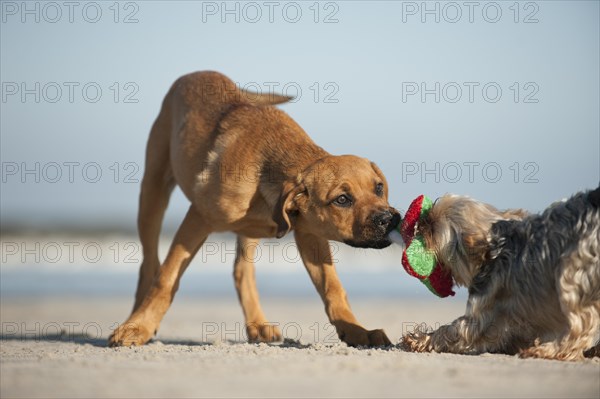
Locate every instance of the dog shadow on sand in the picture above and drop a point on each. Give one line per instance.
(79, 338)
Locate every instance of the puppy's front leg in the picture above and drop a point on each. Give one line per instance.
(316, 256)
(144, 321)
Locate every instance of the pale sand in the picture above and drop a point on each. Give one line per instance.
(196, 355)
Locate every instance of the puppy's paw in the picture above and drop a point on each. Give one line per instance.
(130, 334)
(263, 332)
(354, 335)
(417, 341)
(378, 338)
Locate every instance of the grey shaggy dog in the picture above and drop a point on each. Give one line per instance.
(533, 280)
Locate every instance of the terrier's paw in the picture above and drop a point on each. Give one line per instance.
(551, 351)
(417, 341)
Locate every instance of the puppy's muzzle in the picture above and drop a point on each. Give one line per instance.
(387, 220)
(374, 232)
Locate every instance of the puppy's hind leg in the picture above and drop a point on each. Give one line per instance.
(257, 327)
(157, 185)
(145, 320)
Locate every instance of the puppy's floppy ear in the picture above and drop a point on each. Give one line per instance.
(286, 204)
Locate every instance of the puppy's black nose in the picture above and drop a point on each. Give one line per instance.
(383, 219)
(396, 219)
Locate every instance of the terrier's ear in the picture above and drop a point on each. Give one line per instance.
(472, 239)
(476, 246)
(287, 204)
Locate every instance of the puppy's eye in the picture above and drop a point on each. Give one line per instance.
(379, 189)
(343, 201)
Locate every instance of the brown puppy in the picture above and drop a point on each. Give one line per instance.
(247, 167)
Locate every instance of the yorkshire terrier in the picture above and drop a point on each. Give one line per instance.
(533, 280)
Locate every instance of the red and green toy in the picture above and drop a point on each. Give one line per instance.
(417, 260)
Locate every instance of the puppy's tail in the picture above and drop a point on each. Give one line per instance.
(594, 197)
(266, 98)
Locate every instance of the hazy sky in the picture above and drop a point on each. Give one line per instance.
(495, 100)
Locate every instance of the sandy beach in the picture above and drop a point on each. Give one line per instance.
(56, 313)
(103, 116)
(55, 347)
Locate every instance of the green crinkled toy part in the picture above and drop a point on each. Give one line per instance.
(426, 205)
(421, 259)
(418, 261)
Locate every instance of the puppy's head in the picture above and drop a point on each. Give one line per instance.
(340, 198)
(457, 229)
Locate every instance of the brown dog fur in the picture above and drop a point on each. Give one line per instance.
(248, 168)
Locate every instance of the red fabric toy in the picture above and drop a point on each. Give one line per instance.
(417, 260)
